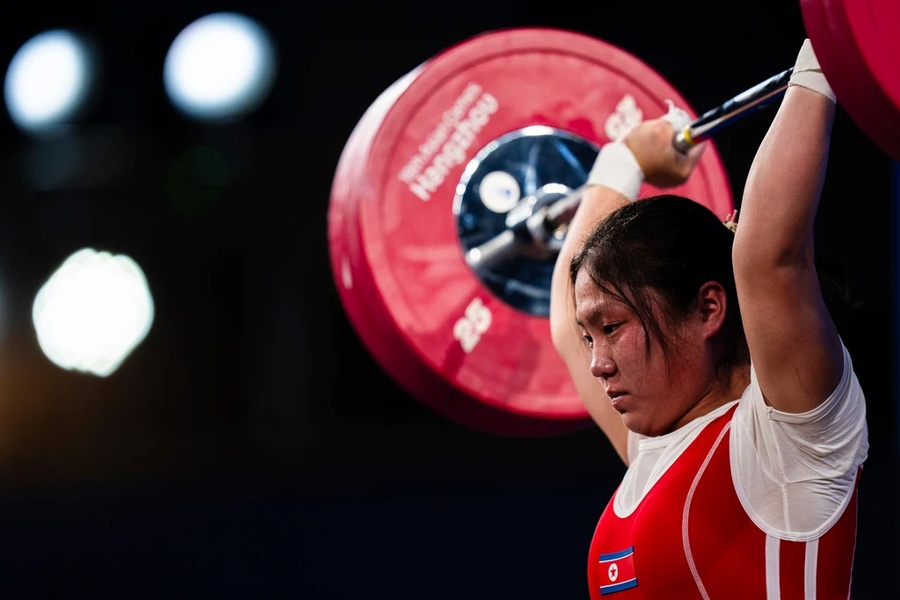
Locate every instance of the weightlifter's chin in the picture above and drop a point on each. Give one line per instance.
(634, 421)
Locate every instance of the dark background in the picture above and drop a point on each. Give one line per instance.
(251, 447)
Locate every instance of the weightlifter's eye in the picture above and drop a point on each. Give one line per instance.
(610, 328)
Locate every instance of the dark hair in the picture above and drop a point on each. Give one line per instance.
(670, 245)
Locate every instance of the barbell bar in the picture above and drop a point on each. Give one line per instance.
(540, 231)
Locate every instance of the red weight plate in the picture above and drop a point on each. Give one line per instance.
(343, 249)
(423, 311)
(371, 318)
(353, 282)
(856, 44)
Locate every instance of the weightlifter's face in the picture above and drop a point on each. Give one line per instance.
(649, 393)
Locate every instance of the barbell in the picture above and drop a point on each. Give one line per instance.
(451, 195)
(538, 228)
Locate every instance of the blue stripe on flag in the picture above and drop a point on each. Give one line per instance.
(617, 555)
(618, 587)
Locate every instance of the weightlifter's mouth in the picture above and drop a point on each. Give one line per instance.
(617, 397)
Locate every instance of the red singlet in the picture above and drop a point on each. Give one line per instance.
(689, 537)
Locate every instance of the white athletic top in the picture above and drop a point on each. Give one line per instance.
(793, 473)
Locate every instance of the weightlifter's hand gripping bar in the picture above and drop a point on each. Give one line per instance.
(542, 226)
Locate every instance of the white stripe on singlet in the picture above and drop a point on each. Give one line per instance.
(685, 538)
(811, 559)
(773, 569)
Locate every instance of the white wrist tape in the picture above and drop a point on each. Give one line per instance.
(807, 72)
(616, 168)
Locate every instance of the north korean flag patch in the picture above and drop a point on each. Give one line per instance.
(617, 571)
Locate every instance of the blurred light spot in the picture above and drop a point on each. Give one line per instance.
(196, 180)
(50, 80)
(92, 312)
(219, 67)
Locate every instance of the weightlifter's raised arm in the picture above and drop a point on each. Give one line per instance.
(793, 343)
